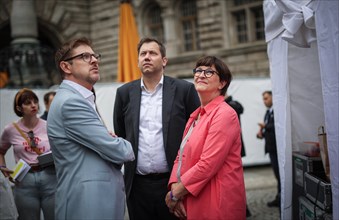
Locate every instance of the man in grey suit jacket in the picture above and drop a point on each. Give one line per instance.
(87, 156)
(152, 113)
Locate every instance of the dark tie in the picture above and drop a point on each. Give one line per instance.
(267, 116)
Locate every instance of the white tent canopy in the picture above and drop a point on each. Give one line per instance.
(303, 52)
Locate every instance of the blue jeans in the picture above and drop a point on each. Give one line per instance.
(35, 192)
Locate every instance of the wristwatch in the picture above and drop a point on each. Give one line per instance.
(173, 198)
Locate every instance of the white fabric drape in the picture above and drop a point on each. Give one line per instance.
(303, 50)
(282, 119)
(327, 37)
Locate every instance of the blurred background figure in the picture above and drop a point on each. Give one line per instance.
(48, 98)
(267, 131)
(8, 209)
(239, 109)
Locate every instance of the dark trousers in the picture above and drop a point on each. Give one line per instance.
(147, 199)
(275, 167)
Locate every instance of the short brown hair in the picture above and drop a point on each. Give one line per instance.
(223, 72)
(21, 96)
(65, 51)
(267, 92)
(162, 47)
(47, 95)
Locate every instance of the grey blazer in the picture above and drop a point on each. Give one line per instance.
(180, 99)
(90, 186)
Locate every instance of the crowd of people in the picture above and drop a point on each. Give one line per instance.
(179, 143)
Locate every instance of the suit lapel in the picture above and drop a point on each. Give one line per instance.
(135, 100)
(167, 103)
(68, 87)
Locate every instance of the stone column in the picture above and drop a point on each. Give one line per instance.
(26, 65)
(24, 22)
(172, 43)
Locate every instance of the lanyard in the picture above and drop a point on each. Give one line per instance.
(182, 146)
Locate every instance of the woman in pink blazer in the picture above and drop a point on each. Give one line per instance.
(207, 179)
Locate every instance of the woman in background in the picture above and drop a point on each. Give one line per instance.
(28, 136)
(207, 180)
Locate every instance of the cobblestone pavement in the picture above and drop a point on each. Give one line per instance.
(261, 187)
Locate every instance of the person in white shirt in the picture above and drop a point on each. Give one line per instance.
(151, 113)
(87, 157)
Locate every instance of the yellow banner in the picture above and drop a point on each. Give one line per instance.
(128, 40)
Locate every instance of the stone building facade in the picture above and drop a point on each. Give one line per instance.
(230, 29)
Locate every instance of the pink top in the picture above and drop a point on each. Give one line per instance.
(22, 150)
(211, 167)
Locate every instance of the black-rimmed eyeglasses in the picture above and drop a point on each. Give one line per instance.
(31, 138)
(87, 57)
(207, 73)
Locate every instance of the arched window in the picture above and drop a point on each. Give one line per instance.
(154, 23)
(189, 22)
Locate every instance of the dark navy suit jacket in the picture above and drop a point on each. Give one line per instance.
(180, 99)
(269, 135)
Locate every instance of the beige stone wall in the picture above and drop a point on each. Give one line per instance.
(104, 19)
(247, 62)
(99, 20)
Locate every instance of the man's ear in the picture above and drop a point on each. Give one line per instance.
(65, 66)
(164, 61)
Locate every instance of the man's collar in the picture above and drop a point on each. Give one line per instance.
(143, 87)
(82, 90)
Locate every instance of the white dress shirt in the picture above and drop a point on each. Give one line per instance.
(151, 152)
(87, 94)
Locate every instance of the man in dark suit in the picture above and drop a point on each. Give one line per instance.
(151, 113)
(48, 98)
(267, 131)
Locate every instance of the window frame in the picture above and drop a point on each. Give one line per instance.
(249, 10)
(192, 20)
(157, 27)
